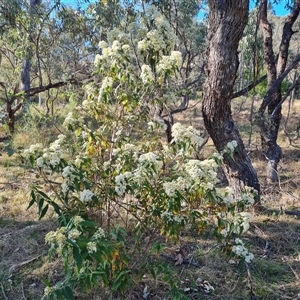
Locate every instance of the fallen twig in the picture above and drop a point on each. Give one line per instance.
(3, 292)
(250, 281)
(19, 265)
(22, 289)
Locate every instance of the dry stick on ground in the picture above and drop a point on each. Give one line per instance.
(19, 265)
(22, 290)
(3, 291)
(250, 281)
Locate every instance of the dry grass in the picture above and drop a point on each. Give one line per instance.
(23, 263)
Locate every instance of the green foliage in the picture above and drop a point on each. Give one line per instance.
(114, 163)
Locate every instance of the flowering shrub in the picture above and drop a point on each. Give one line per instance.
(112, 162)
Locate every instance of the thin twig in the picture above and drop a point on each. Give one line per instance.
(3, 291)
(22, 289)
(250, 281)
(16, 266)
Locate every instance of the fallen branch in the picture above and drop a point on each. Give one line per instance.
(19, 265)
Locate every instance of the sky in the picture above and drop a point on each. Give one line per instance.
(280, 10)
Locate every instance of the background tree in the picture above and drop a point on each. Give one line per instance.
(277, 69)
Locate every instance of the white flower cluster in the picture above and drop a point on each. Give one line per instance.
(240, 250)
(58, 237)
(77, 220)
(86, 196)
(99, 234)
(33, 149)
(154, 41)
(231, 145)
(91, 247)
(121, 182)
(182, 134)
(111, 55)
(246, 197)
(170, 62)
(170, 218)
(51, 156)
(70, 120)
(147, 74)
(151, 159)
(202, 170)
(106, 84)
(179, 184)
(73, 234)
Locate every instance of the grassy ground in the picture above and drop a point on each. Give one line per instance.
(274, 274)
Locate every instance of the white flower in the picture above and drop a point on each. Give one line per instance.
(224, 232)
(50, 237)
(64, 187)
(147, 74)
(125, 48)
(180, 134)
(121, 182)
(55, 159)
(86, 196)
(240, 250)
(77, 220)
(91, 247)
(74, 234)
(102, 44)
(69, 120)
(176, 56)
(151, 159)
(67, 171)
(40, 162)
(115, 152)
(232, 145)
(33, 149)
(107, 83)
(116, 46)
(100, 233)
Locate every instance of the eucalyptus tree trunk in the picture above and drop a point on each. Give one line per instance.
(26, 66)
(276, 67)
(227, 20)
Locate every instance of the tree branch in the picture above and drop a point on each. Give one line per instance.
(249, 87)
(268, 98)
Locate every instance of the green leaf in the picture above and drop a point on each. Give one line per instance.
(44, 211)
(88, 224)
(67, 292)
(31, 203)
(77, 257)
(40, 205)
(56, 207)
(43, 194)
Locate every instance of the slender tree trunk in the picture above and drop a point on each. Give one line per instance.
(227, 20)
(270, 110)
(26, 66)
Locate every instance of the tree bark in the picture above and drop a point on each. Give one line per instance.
(227, 20)
(270, 110)
(26, 66)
